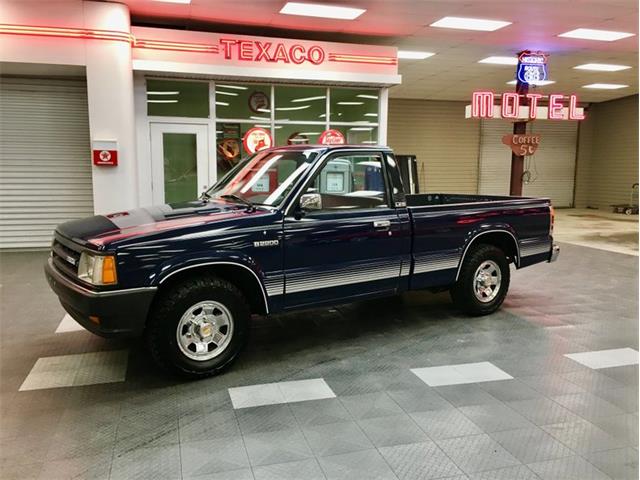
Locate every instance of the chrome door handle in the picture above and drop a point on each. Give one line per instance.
(382, 224)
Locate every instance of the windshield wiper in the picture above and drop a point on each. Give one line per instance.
(239, 199)
(205, 196)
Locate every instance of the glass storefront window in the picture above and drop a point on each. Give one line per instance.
(358, 134)
(307, 104)
(298, 134)
(354, 105)
(175, 98)
(243, 102)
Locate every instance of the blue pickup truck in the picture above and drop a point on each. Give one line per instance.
(288, 228)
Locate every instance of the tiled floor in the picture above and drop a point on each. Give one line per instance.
(406, 388)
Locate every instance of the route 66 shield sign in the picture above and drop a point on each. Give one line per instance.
(532, 67)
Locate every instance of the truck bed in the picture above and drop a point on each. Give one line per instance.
(440, 199)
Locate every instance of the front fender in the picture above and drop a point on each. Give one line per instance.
(166, 269)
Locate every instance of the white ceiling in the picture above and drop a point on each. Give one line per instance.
(453, 73)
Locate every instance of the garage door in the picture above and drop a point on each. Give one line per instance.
(45, 169)
(551, 169)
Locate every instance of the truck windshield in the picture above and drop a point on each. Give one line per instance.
(265, 178)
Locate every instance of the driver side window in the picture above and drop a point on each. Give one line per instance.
(349, 182)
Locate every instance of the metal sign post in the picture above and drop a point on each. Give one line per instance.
(532, 67)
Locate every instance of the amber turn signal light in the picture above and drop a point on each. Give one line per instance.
(109, 271)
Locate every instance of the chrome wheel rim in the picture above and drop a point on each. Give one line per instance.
(205, 330)
(487, 281)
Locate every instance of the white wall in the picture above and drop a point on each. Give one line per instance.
(109, 80)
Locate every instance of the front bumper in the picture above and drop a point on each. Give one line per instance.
(555, 251)
(118, 312)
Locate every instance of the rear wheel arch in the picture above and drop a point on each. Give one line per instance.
(501, 238)
(238, 274)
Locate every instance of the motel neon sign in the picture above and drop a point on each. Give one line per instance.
(512, 107)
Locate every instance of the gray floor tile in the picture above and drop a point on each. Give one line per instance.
(320, 412)
(371, 405)
(336, 438)
(625, 398)
(441, 424)
(567, 468)
(465, 395)
(587, 405)
(212, 456)
(623, 428)
(419, 400)
(419, 461)
(621, 464)
(392, 430)
(592, 380)
(477, 453)
(208, 426)
(531, 445)
(308, 469)
(265, 419)
(519, 472)
(583, 437)
(143, 463)
(363, 465)
(542, 411)
(494, 417)
(510, 390)
(551, 384)
(82, 443)
(240, 474)
(281, 446)
(95, 467)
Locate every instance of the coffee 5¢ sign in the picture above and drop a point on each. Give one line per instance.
(522, 144)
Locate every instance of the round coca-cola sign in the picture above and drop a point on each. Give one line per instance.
(332, 137)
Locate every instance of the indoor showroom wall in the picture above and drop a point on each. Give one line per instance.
(445, 143)
(607, 163)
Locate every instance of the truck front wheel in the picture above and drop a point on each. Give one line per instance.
(198, 326)
(483, 281)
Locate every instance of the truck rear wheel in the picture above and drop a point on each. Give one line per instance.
(483, 281)
(198, 327)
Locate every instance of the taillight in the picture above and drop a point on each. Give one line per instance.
(552, 220)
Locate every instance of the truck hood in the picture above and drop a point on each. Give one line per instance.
(102, 230)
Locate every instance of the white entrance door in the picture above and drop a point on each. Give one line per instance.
(179, 161)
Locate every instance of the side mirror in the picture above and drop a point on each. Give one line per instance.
(311, 201)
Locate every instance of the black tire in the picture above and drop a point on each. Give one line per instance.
(462, 292)
(167, 312)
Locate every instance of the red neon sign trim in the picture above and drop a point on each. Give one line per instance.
(64, 32)
(114, 35)
(175, 46)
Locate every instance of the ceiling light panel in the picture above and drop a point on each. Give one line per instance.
(605, 86)
(500, 60)
(602, 67)
(414, 55)
(321, 11)
(463, 23)
(593, 34)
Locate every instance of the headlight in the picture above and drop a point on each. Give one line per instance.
(97, 269)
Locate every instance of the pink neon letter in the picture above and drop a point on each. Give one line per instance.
(573, 109)
(482, 105)
(510, 105)
(533, 104)
(555, 106)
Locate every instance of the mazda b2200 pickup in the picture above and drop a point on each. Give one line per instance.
(287, 228)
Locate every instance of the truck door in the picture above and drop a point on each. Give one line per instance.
(348, 240)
